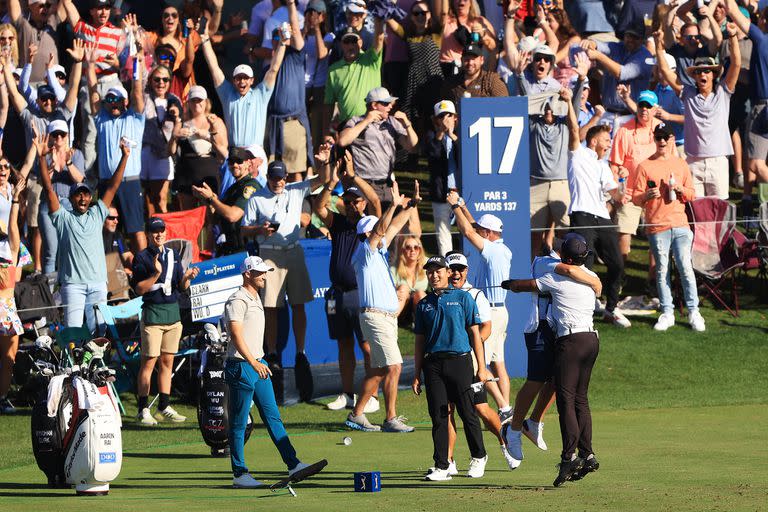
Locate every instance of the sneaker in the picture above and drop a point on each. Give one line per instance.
(452, 469)
(303, 376)
(372, 405)
(6, 407)
(477, 467)
(397, 425)
(567, 469)
(738, 180)
(438, 475)
(665, 321)
(590, 465)
(297, 468)
(343, 401)
(617, 318)
(361, 423)
(145, 418)
(245, 481)
(505, 416)
(534, 430)
(696, 321)
(599, 307)
(169, 414)
(513, 440)
(512, 462)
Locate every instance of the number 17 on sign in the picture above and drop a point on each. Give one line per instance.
(483, 130)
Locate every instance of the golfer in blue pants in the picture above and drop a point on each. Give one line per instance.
(248, 376)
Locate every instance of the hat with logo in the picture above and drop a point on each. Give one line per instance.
(473, 49)
(379, 95)
(456, 259)
(277, 169)
(543, 49)
(117, 91)
(254, 263)
(243, 69)
(663, 130)
(356, 6)
(366, 224)
(353, 191)
(490, 222)
(101, 3)
(648, 97)
(574, 248)
(436, 261)
(77, 187)
(155, 225)
(443, 107)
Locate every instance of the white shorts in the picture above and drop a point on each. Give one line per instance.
(380, 330)
(153, 168)
(710, 176)
(494, 345)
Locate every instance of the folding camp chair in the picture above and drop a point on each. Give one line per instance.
(713, 255)
(762, 244)
(79, 336)
(122, 328)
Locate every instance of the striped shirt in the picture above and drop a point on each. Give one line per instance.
(109, 39)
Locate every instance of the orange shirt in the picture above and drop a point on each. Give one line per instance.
(631, 145)
(669, 214)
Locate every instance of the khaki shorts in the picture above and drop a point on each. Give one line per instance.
(494, 345)
(294, 147)
(628, 218)
(160, 338)
(710, 176)
(549, 200)
(380, 330)
(280, 281)
(34, 190)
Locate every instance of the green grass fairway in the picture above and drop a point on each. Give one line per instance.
(675, 459)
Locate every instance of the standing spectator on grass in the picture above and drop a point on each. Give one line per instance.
(248, 375)
(707, 107)
(447, 336)
(355, 75)
(159, 278)
(117, 119)
(664, 202)
(490, 262)
(344, 324)
(373, 140)
(378, 312)
(576, 349)
(81, 263)
(245, 106)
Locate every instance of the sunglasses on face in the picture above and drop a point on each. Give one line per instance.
(419, 13)
(5, 165)
(692, 38)
(644, 105)
(112, 100)
(353, 200)
(161, 79)
(47, 98)
(538, 57)
(112, 217)
(235, 161)
(57, 135)
(458, 269)
(171, 15)
(276, 178)
(445, 114)
(701, 71)
(412, 248)
(659, 138)
(241, 78)
(166, 56)
(61, 76)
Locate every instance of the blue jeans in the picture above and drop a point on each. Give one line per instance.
(48, 233)
(79, 298)
(245, 386)
(680, 241)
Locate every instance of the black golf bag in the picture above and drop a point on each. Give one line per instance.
(213, 399)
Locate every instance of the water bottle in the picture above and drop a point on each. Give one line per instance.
(671, 185)
(622, 185)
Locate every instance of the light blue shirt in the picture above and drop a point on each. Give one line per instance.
(283, 209)
(635, 72)
(109, 131)
(489, 267)
(81, 248)
(374, 282)
(245, 116)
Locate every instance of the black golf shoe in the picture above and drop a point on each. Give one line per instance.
(567, 470)
(589, 466)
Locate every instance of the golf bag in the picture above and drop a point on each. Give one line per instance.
(213, 399)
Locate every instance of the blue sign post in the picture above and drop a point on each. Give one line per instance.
(495, 179)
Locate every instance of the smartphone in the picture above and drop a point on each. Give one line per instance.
(651, 184)
(274, 225)
(203, 25)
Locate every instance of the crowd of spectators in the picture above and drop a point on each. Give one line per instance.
(288, 119)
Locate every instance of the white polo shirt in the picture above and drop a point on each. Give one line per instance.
(589, 179)
(573, 304)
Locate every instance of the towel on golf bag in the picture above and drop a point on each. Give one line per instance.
(88, 396)
(55, 388)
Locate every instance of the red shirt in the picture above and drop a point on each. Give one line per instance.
(109, 39)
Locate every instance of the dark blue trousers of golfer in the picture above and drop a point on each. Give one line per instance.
(245, 386)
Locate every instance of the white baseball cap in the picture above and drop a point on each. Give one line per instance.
(118, 91)
(356, 6)
(197, 92)
(258, 152)
(490, 222)
(671, 62)
(58, 68)
(254, 263)
(366, 224)
(441, 107)
(456, 259)
(243, 69)
(57, 125)
(527, 44)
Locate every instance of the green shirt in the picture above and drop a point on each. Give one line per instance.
(349, 83)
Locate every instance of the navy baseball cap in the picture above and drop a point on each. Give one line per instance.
(574, 247)
(277, 169)
(46, 91)
(77, 187)
(353, 191)
(155, 225)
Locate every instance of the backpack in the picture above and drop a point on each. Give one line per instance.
(34, 300)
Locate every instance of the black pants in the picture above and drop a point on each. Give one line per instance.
(575, 356)
(448, 380)
(604, 241)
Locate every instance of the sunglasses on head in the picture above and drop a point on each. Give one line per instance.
(161, 79)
